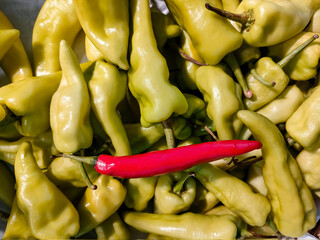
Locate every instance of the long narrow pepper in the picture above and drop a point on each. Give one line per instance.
(168, 160)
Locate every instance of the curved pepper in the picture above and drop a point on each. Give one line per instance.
(60, 17)
(184, 226)
(70, 106)
(9, 132)
(97, 205)
(149, 75)
(196, 107)
(314, 25)
(107, 88)
(303, 125)
(234, 193)
(7, 188)
(7, 38)
(292, 206)
(17, 226)
(206, 30)
(255, 178)
(106, 24)
(49, 213)
(15, 63)
(113, 228)
(92, 53)
(220, 92)
(167, 199)
(181, 128)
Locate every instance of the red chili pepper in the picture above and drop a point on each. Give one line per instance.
(169, 160)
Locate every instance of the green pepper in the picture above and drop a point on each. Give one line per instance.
(174, 193)
(184, 226)
(17, 226)
(255, 178)
(97, 205)
(207, 30)
(220, 92)
(107, 27)
(113, 228)
(107, 87)
(7, 188)
(7, 38)
(149, 75)
(70, 106)
(196, 107)
(181, 128)
(246, 54)
(313, 25)
(293, 209)
(49, 213)
(9, 132)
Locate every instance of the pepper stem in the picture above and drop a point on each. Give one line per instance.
(88, 160)
(233, 64)
(168, 132)
(259, 78)
(297, 50)
(190, 59)
(177, 189)
(246, 18)
(211, 133)
(86, 177)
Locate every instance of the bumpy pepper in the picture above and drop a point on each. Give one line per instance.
(70, 106)
(184, 226)
(15, 63)
(304, 65)
(97, 205)
(106, 24)
(66, 172)
(7, 189)
(107, 87)
(206, 30)
(149, 74)
(17, 225)
(60, 17)
(234, 194)
(292, 206)
(174, 193)
(220, 92)
(303, 125)
(7, 38)
(113, 228)
(49, 213)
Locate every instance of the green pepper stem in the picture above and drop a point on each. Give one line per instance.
(168, 132)
(177, 189)
(88, 160)
(297, 50)
(233, 64)
(86, 177)
(259, 78)
(190, 59)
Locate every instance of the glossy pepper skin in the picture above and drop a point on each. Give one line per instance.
(7, 38)
(15, 63)
(303, 66)
(49, 213)
(184, 226)
(108, 87)
(70, 106)
(292, 206)
(97, 205)
(201, 25)
(167, 201)
(149, 75)
(7, 188)
(60, 17)
(303, 124)
(9, 132)
(106, 24)
(220, 92)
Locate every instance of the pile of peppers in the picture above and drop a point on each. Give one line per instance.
(200, 122)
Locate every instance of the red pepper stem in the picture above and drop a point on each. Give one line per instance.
(233, 64)
(177, 189)
(88, 160)
(168, 132)
(297, 50)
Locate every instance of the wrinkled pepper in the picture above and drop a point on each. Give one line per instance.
(49, 213)
(7, 188)
(106, 24)
(303, 125)
(113, 228)
(97, 205)
(107, 87)
(220, 92)
(149, 84)
(293, 209)
(174, 193)
(17, 226)
(7, 38)
(70, 106)
(60, 17)
(233, 193)
(184, 226)
(201, 26)
(15, 63)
